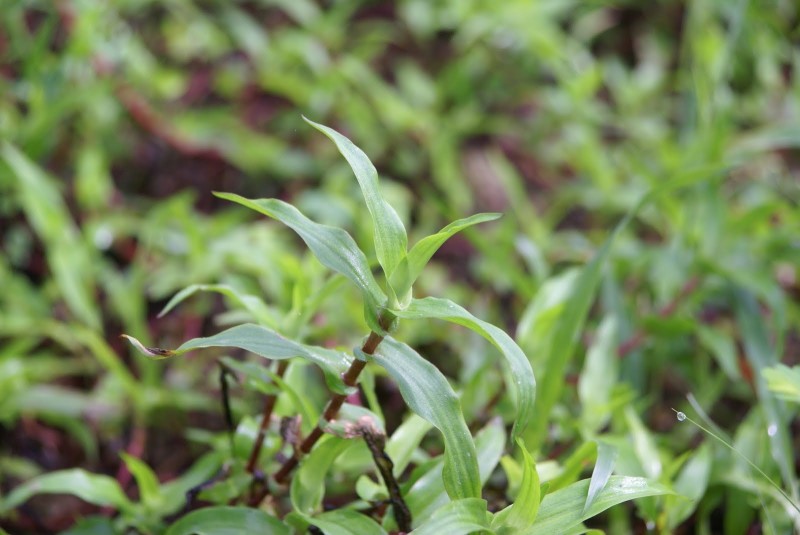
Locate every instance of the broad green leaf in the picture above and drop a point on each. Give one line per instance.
(265, 342)
(308, 484)
(345, 522)
(407, 271)
(96, 489)
(227, 520)
(69, 258)
(784, 381)
(562, 510)
(427, 393)
(459, 517)
(146, 480)
(390, 234)
(606, 457)
(523, 383)
(332, 246)
(260, 311)
(521, 514)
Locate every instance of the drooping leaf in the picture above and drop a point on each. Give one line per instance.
(332, 246)
(606, 457)
(308, 484)
(96, 489)
(523, 385)
(390, 234)
(521, 514)
(265, 342)
(227, 520)
(459, 517)
(345, 522)
(411, 266)
(562, 510)
(427, 393)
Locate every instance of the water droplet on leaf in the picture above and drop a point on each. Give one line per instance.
(681, 417)
(772, 430)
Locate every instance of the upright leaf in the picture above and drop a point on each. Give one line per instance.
(427, 393)
(411, 266)
(390, 234)
(332, 246)
(523, 382)
(521, 514)
(308, 484)
(606, 457)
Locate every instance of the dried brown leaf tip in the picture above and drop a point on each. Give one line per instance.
(151, 352)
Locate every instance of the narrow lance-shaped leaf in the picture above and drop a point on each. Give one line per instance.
(260, 311)
(562, 510)
(606, 457)
(96, 489)
(407, 271)
(521, 514)
(264, 342)
(390, 234)
(332, 246)
(427, 393)
(308, 485)
(523, 382)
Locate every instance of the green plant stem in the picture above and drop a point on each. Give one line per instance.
(331, 410)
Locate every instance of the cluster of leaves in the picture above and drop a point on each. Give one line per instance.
(562, 115)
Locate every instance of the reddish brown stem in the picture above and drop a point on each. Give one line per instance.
(331, 410)
(266, 416)
(637, 340)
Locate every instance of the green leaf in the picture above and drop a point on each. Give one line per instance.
(459, 517)
(308, 484)
(255, 305)
(332, 246)
(226, 520)
(345, 522)
(146, 480)
(69, 258)
(691, 483)
(784, 381)
(264, 342)
(599, 376)
(427, 393)
(523, 382)
(407, 271)
(562, 510)
(760, 353)
(606, 457)
(390, 234)
(96, 489)
(522, 513)
(405, 440)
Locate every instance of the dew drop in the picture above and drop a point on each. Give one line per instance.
(772, 430)
(681, 417)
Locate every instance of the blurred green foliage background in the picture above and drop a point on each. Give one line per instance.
(118, 119)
